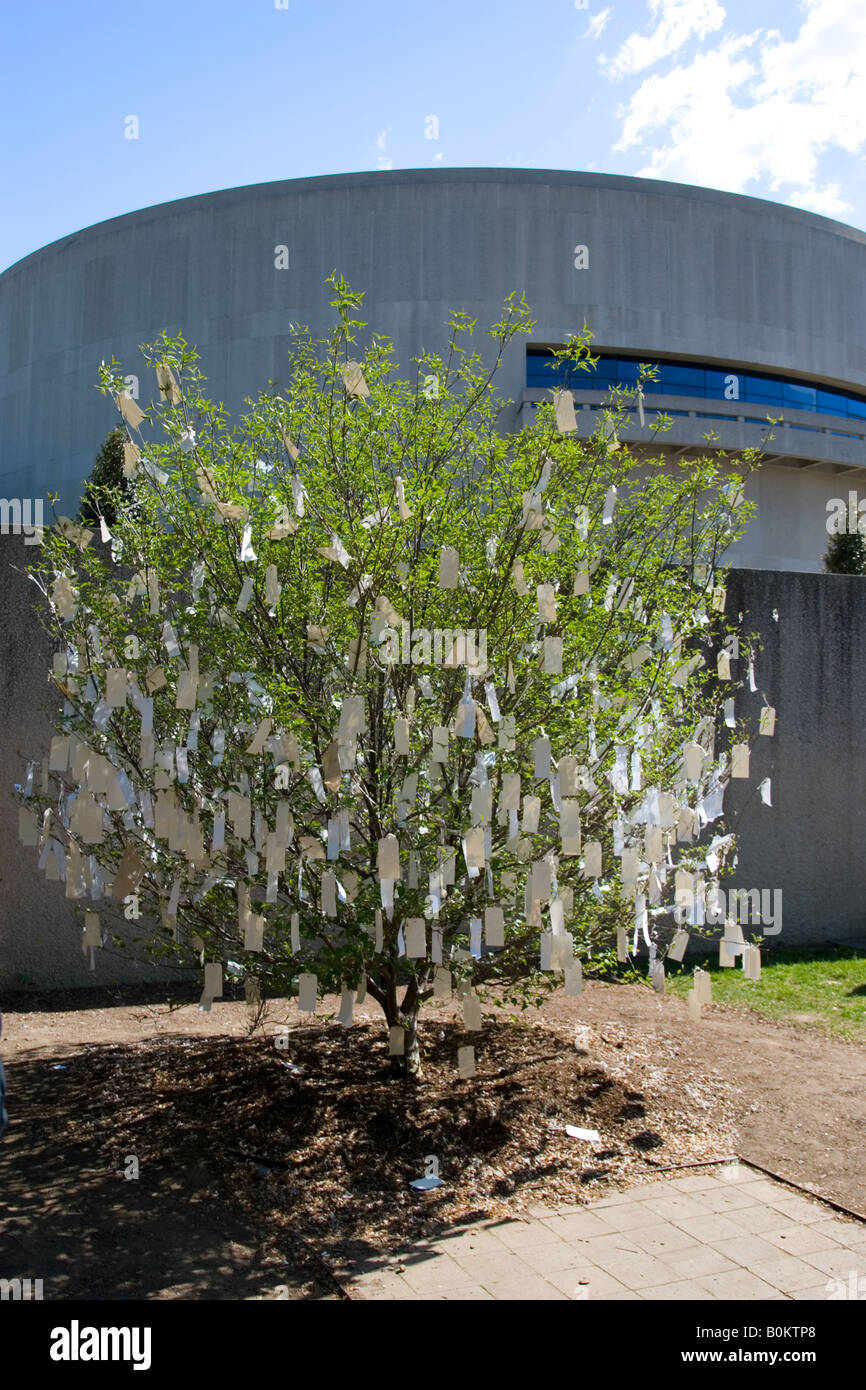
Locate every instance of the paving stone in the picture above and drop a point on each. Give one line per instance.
(737, 1174)
(768, 1191)
(628, 1218)
(737, 1284)
(786, 1273)
(616, 1243)
(745, 1250)
(528, 1287)
(682, 1289)
(599, 1284)
(644, 1190)
(480, 1268)
(476, 1243)
(408, 1297)
(492, 1228)
(724, 1198)
(421, 1257)
(539, 1210)
(757, 1219)
(637, 1271)
(547, 1259)
(373, 1288)
(696, 1260)
(359, 1269)
(849, 1233)
(800, 1240)
(696, 1184)
(436, 1274)
(661, 1239)
(838, 1263)
(519, 1234)
(799, 1208)
(842, 1288)
(679, 1206)
(578, 1225)
(466, 1293)
(710, 1229)
(613, 1199)
(728, 1233)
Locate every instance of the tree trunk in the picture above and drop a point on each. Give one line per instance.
(412, 1056)
(400, 1015)
(409, 1064)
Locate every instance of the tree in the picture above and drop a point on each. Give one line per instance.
(368, 696)
(107, 488)
(846, 554)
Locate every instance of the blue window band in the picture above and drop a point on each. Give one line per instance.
(685, 379)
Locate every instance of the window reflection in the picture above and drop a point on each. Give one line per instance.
(687, 379)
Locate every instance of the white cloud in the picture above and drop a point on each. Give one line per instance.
(381, 141)
(826, 200)
(517, 161)
(598, 23)
(759, 109)
(676, 22)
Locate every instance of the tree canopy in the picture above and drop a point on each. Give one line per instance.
(107, 489)
(363, 693)
(846, 553)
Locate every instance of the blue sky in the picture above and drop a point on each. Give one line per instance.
(750, 96)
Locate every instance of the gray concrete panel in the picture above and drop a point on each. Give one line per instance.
(673, 270)
(40, 928)
(812, 669)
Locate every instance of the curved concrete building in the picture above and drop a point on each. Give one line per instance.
(749, 307)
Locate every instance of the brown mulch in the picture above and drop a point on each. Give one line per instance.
(322, 1137)
(254, 1160)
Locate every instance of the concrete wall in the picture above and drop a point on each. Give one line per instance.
(673, 270)
(40, 929)
(804, 466)
(813, 670)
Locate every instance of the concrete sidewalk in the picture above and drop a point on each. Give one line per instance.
(722, 1232)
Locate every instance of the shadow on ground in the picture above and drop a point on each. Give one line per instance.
(253, 1161)
(72, 1219)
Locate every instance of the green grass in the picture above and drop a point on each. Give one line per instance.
(823, 989)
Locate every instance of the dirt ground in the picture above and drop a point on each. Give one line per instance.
(258, 1164)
